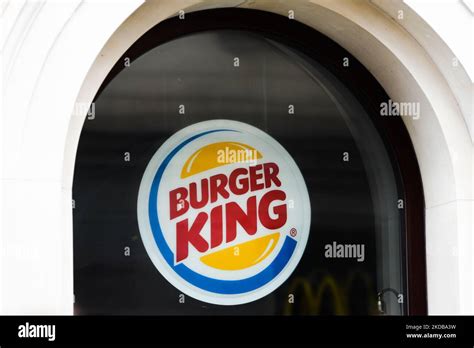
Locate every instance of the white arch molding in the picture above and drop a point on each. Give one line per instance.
(59, 54)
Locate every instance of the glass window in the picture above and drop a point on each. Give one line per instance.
(353, 183)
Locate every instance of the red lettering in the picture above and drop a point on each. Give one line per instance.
(193, 199)
(216, 226)
(240, 181)
(218, 183)
(254, 176)
(247, 220)
(271, 171)
(243, 186)
(279, 210)
(178, 203)
(186, 236)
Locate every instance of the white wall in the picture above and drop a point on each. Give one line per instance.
(48, 50)
(57, 53)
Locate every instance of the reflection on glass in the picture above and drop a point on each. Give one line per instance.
(349, 174)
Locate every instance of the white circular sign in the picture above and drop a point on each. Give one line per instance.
(223, 212)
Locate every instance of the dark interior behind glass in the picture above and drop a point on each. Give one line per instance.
(352, 201)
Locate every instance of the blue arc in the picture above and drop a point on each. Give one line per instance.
(220, 286)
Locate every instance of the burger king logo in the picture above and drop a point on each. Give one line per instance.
(223, 212)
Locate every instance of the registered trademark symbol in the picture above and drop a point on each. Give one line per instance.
(293, 232)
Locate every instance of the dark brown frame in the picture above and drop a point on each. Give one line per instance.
(356, 78)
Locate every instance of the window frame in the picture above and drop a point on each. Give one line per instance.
(360, 82)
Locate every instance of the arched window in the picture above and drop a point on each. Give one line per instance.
(365, 251)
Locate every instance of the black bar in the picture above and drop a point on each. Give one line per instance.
(240, 330)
